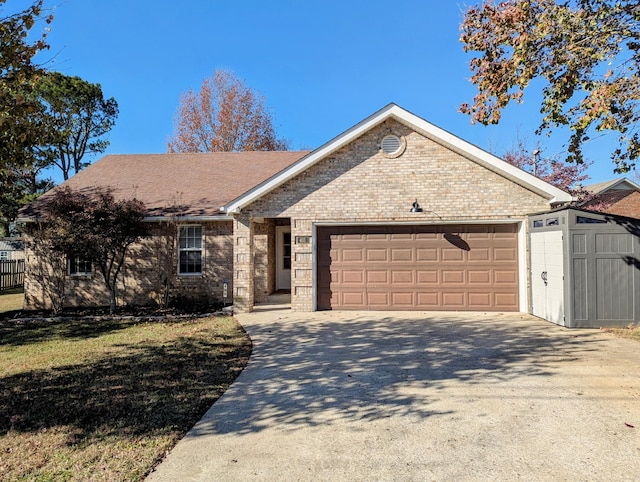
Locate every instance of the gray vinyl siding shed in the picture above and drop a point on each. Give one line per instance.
(585, 268)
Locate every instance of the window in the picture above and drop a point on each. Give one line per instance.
(79, 266)
(4, 255)
(190, 250)
(286, 250)
(586, 220)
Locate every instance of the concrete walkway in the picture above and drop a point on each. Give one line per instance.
(356, 396)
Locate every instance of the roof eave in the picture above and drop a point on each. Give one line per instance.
(482, 157)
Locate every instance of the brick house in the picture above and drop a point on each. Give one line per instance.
(394, 213)
(618, 196)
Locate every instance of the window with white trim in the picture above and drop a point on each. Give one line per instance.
(78, 266)
(190, 250)
(4, 255)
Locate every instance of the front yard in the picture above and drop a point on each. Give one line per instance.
(11, 300)
(105, 400)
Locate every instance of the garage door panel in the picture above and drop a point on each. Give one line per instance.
(429, 300)
(402, 254)
(481, 255)
(453, 300)
(479, 301)
(506, 277)
(427, 276)
(505, 301)
(465, 267)
(452, 254)
(480, 277)
(348, 255)
(378, 299)
(353, 276)
(427, 254)
(377, 255)
(453, 277)
(402, 300)
(353, 299)
(402, 277)
(378, 277)
(504, 254)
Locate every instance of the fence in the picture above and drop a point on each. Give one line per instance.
(11, 274)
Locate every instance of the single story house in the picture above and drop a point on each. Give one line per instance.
(393, 213)
(617, 196)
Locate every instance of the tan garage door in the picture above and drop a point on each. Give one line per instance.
(465, 267)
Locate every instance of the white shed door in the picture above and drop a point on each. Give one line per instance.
(547, 276)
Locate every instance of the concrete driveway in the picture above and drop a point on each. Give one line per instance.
(420, 396)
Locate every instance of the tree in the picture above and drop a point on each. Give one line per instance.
(79, 117)
(225, 115)
(566, 176)
(586, 53)
(20, 121)
(20, 185)
(93, 226)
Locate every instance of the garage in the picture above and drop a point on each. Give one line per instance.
(418, 267)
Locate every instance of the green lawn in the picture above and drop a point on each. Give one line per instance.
(105, 400)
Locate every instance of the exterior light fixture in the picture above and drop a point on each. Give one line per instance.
(415, 207)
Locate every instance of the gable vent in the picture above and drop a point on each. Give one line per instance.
(392, 145)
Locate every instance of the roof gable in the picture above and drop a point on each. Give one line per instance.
(393, 111)
(615, 184)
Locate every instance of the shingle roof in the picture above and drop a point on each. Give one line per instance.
(11, 244)
(613, 183)
(199, 183)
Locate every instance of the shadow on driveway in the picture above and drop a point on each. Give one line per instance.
(420, 396)
(310, 372)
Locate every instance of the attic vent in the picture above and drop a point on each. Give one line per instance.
(392, 145)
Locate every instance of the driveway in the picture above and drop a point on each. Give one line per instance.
(420, 396)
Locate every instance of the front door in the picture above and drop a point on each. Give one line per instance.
(283, 257)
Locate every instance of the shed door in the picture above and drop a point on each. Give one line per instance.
(547, 276)
(463, 267)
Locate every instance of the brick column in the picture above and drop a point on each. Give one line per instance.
(243, 266)
(302, 265)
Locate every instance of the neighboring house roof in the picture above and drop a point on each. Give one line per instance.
(187, 185)
(11, 244)
(617, 196)
(615, 184)
(393, 111)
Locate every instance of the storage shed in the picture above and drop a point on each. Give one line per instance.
(585, 268)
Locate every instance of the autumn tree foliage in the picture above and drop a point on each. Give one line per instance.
(566, 176)
(585, 54)
(91, 225)
(224, 115)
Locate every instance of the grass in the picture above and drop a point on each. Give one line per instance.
(106, 400)
(11, 300)
(631, 332)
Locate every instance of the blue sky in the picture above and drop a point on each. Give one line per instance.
(322, 66)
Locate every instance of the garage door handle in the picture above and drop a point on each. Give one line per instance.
(543, 275)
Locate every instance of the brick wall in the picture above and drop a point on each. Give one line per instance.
(627, 206)
(359, 183)
(150, 264)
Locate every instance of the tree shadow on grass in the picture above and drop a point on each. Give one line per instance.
(37, 331)
(147, 390)
(370, 368)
